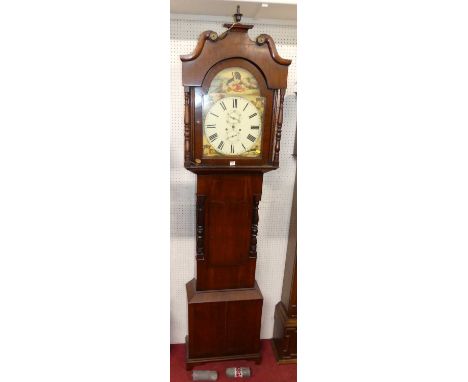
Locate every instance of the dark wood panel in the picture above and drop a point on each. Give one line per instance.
(243, 326)
(289, 283)
(240, 276)
(228, 244)
(230, 203)
(224, 323)
(207, 328)
(285, 328)
(292, 309)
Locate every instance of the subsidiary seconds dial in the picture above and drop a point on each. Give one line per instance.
(232, 125)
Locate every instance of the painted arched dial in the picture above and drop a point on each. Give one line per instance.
(233, 115)
(232, 126)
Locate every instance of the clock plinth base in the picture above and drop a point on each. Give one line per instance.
(285, 336)
(190, 363)
(223, 324)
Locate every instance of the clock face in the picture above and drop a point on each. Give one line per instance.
(233, 111)
(232, 126)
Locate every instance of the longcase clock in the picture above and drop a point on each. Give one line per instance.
(234, 92)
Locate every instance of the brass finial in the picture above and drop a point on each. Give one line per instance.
(238, 15)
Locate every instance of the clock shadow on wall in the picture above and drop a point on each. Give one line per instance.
(234, 90)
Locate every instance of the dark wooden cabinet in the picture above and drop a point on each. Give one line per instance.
(234, 92)
(285, 328)
(224, 324)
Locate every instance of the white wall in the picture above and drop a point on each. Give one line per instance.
(278, 185)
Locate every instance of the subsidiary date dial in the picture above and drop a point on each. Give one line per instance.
(232, 125)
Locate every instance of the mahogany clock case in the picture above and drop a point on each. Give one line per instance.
(224, 300)
(260, 58)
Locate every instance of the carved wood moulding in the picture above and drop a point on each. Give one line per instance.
(235, 42)
(187, 126)
(254, 228)
(279, 126)
(200, 239)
